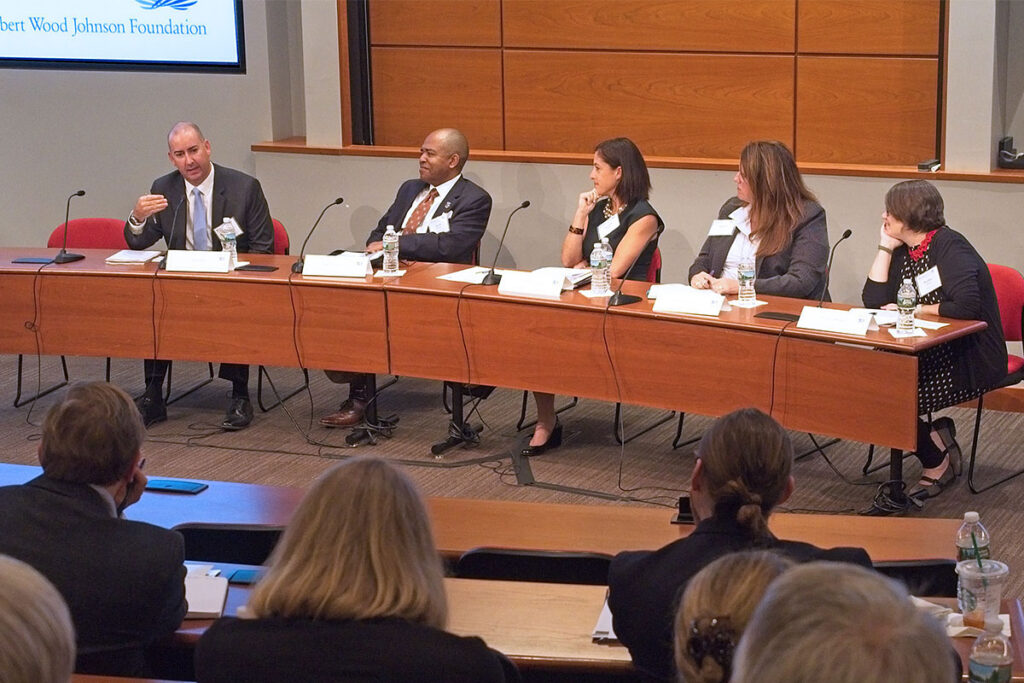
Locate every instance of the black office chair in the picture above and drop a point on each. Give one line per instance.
(231, 543)
(548, 566)
(932, 578)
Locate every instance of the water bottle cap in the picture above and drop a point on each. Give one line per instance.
(971, 517)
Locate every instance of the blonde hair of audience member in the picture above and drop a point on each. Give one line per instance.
(743, 468)
(359, 546)
(716, 607)
(777, 193)
(841, 623)
(37, 639)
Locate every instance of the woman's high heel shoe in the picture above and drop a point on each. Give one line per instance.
(554, 441)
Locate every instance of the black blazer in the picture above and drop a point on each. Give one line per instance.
(644, 587)
(386, 649)
(235, 194)
(470, 208)
(966, 293)
(797, 271)
(123, 580)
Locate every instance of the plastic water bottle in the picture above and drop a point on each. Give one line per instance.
(906, 302)
(229, 244)
(609, 254)
(390, 251)
(991, 657)
(972, 534)
(745, 276)
(600, 267)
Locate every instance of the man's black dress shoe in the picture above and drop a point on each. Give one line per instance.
(554, 441)
(239, 415)
(153, 410)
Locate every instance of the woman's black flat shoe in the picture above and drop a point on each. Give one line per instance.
(554, 441)
(935, 485)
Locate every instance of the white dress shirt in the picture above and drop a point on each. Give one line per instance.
(744, 247)
(442, 191)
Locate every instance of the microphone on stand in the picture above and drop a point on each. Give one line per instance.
(297, 266)
(63, 256)
(170, 238)
(620, 299)
(493, 278)
(792, 317)
(828, 266)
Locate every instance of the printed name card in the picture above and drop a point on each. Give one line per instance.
(348, 264)
(541, 284)
(854, 321)
(185, 261)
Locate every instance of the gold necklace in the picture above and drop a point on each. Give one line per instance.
(609, 211)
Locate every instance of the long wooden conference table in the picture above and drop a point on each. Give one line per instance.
(418, 325)
(461, 524)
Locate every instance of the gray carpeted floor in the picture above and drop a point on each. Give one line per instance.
(284, 448)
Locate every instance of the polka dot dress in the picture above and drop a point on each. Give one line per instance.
(935, 387)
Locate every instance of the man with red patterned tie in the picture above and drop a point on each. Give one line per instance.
(440, 217)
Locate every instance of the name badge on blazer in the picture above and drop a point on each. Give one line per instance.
(440, 223)
(928, 281)
(608, 227)
(722, 227)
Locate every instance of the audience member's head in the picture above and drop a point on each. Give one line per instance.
(843, 624)
(917, 204)
(92, 436)
(742, 470)
(623, 153)
(359, 546)
(37, 640)
(716, 606)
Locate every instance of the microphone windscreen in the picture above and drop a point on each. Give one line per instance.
(526, 203)
(847, 233)
(80, 193)
(339, 200)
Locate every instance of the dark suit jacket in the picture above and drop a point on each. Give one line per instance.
(386, 649)
(470, 206)
(644, 587)
(235, 194)
(123, 580)
(798, 271)
(966, 293)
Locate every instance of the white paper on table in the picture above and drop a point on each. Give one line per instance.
(834, 320)
(747, 304)
(882, 317)
(473, 275)
(689, 300)
(657, 290)
(206, 596)
(538, 284)
(603, 630)
(381, 273)
(906, 334)
(130, 256)
(955, 626)
(929, 324)
(346, 264)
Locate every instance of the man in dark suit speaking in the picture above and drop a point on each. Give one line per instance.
(123, 581)
(183, 207)
(441, 218)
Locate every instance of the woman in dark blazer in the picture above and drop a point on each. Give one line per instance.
(354, 592)
(617, 208)
(951, 280)
(741, 474)
(775, 220)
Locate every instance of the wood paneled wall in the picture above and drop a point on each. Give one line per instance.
(840, 81)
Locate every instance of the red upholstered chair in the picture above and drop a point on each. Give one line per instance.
(82, 233)
(90, 233)
(1009, 286)
(281, 246)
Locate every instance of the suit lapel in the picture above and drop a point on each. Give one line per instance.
(176, 198)
(450, 199)
(218, 205)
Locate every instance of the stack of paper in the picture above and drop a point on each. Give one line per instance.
(131, 256)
